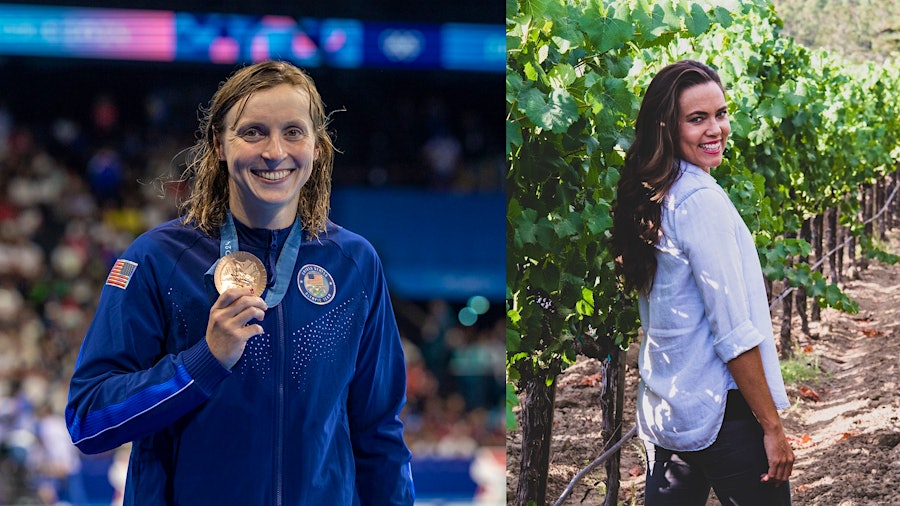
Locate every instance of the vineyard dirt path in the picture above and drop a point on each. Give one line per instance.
(847, 443)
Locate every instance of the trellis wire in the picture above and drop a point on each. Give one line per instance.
(599, 460)
(612, 450)
(819, 262)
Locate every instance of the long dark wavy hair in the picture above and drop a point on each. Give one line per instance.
(651, 168)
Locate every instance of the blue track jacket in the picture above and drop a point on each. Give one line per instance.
(308, 415)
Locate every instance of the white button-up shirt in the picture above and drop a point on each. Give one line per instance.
(707, 306)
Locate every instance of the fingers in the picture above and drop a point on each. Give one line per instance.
(242, 296)
(229, 326)
(241, 312)
(781, 461)
(775, 476)
(236, 307)
(780, 473)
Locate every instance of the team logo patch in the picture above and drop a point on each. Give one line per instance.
(316, 284)
(120, 274)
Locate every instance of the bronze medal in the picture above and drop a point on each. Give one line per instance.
(240, 269)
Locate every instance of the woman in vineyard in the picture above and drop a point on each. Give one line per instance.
(710, 379)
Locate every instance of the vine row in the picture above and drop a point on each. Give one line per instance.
(815, 140)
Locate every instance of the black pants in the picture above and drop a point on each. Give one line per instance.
(732, 466)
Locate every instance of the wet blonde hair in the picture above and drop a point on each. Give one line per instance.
(208, 200)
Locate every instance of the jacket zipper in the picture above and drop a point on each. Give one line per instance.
(279, 408)
(272, 258)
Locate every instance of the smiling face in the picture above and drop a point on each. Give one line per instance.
(269, 146)
(703, 125)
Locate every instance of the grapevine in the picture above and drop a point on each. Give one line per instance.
(812, 136)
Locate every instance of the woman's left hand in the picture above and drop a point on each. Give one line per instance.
(780, 456)
(747, 371)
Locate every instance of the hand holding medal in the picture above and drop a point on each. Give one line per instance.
(237, 269)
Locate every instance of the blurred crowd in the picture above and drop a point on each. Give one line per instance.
(75, 191)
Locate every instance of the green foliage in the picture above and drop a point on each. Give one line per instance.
(801, 369)
(511, 400)
(807, 130)
(571, 98)
(876, 249)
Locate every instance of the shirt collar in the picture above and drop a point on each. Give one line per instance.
(688, 167)
(259, 237)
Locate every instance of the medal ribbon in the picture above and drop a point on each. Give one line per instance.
(284, 266)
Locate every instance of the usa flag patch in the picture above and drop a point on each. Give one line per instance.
(120, 275)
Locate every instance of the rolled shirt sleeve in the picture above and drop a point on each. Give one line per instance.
(707, 306)
(708, 228)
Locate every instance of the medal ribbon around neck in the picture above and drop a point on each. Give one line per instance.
(284, 266)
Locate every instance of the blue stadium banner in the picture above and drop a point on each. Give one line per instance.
(155, 35)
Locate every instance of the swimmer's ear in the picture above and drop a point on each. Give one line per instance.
(218, 144)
